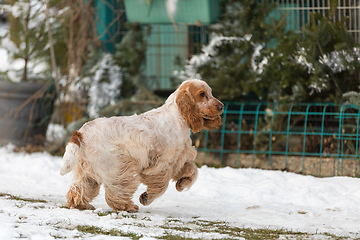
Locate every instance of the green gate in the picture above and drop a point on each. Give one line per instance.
(319, 139)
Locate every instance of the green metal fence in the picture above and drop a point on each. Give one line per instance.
(320, 139)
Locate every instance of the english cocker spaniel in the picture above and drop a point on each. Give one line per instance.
(151, 148)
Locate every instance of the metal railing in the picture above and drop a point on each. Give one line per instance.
(319, 139)
(299, 13)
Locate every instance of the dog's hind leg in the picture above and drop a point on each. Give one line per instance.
(120, 189)
(156, 186)
(85, 189)
(186, 176)
(82, 192)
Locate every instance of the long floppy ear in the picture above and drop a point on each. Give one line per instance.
(213, 123)
(189, 110)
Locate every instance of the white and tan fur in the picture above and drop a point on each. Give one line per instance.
(152, 148)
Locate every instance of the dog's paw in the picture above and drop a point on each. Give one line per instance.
(131, 208)
(182, 184)
(81, 206)
(89, 207)
(144, 198)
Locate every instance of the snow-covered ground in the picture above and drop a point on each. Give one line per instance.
(32, 200)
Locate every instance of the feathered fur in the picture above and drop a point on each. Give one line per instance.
(152, 148)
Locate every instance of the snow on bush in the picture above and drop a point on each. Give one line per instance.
(101, 85)
(301, 59)
(30, 38)
(336, 61)
(209, 51)
(104, 85)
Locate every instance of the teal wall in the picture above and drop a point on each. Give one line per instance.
(106, 27)
(165, 45)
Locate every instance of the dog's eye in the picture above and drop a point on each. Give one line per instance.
(202, 94)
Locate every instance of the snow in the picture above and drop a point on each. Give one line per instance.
(171, 6)
(240, 197)
(335, 60)
(13, 66)
(9, 52)
(105, 85)
(208, 51)
(3, 53)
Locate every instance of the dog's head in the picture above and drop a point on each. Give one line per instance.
(197, 105)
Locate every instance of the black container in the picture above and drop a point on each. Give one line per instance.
(25, 112)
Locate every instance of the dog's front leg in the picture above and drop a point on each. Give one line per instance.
(156, 186)
(186, 176)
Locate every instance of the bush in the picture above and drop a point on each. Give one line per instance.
(253, 57)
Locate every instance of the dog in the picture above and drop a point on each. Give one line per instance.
(151, 148)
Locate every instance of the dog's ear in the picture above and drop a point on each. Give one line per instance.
(213, 123)
(189, 110)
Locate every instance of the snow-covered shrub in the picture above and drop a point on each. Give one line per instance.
(102, 85)
(340, 61)
(352, 97)
(105, 87)
(208, 52)
(228, 62)
(26, 40)
(241, 62)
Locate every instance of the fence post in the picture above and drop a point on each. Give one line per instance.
(340, 143)
(223, 134)
(357, 143)
(238, 147)
(287, 134)
(304, 142)
(255, 132)
(271, 132)
(206, 143)
(322, 137)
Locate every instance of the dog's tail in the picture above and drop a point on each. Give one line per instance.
(71, 148)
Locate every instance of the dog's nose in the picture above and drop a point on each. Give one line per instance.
(221, 107)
